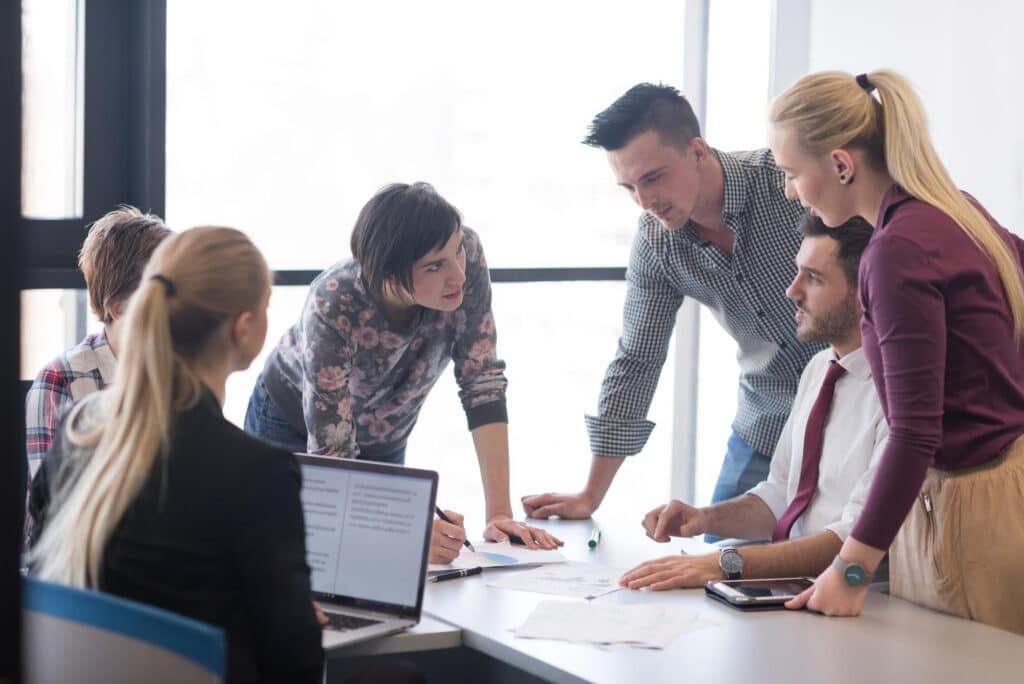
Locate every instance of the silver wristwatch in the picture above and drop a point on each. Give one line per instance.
(731, 563)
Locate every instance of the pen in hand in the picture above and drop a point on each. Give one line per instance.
(442, 516)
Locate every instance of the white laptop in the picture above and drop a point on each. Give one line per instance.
(368, 529)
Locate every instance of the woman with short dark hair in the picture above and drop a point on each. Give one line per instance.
(375, 334)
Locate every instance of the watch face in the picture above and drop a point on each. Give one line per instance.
(854, 575)
(731, 561)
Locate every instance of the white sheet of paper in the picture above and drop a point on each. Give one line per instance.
(642, 626)
(578, 580)
(500, 555)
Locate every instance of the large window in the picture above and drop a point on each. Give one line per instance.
(286, 124)
(739, 35)
(283, 121)
(53, 68)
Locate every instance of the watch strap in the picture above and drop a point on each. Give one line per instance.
(843, 567)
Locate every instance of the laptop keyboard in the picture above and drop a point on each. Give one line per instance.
(343, 623)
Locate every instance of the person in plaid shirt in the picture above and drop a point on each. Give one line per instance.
(112, 259)
(717, 227)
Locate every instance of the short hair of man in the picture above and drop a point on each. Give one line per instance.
(114, 254)
(645, 107)
(400, 225)
(853, 237)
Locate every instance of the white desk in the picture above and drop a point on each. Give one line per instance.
(892, 641)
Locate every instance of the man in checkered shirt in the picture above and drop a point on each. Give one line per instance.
(717, 227)
(112, 259)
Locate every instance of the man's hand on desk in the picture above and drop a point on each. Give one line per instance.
(674, 519)
(566, 506)
(447, 538)
(673, 572)
(502, 527)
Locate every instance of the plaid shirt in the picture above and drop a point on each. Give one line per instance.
(745, 292)
(81, 370)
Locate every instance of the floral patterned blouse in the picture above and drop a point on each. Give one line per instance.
(354, 380)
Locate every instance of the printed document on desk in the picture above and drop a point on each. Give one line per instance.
(640, 626)
(499, 555)
(577, 580)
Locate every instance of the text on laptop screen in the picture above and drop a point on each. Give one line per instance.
(365, 532)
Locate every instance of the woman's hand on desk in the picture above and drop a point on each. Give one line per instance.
(832, 596)
(500, 527)
(447, 538)
(673, 572)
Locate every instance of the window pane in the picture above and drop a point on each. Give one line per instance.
(556, 356)
(51, 322)
(284, 123)
(739, 35)
(52, 63)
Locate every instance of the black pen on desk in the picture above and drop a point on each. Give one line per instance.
(442, 516)
(454, 574)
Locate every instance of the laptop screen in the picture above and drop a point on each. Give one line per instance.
(367, 529)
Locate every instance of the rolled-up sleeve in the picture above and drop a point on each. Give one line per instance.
(479, 372)
(620, 427)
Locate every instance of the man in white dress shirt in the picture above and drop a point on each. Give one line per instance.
(808, 523)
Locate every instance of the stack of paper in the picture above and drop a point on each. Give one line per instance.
(640, 626)
(500, 555)
(579, 580)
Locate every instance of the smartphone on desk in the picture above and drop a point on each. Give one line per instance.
(757, 594)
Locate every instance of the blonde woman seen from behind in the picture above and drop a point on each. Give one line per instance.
(150, 494)
(943, 301)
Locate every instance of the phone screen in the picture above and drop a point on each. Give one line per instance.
(780, 588)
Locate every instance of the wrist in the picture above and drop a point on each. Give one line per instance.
(730, 562)
(868, 557)
(590, 497)
(706, 519)
(854, 574)
(501, 514)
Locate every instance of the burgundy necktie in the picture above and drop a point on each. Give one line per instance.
(813, 437)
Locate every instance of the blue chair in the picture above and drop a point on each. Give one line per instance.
(76, 635)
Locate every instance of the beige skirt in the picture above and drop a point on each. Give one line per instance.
(961, 548)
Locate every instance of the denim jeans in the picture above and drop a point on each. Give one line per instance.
(264, 420)
(743, 468)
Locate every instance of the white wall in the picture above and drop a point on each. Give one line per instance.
(967, 61)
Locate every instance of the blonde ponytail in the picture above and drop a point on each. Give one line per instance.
(194, 283)
(830, 110)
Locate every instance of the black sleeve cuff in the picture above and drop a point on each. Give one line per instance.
(485, 414)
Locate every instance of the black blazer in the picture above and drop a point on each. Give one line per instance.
(216, 534)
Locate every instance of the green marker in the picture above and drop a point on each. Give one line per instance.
(595, 539)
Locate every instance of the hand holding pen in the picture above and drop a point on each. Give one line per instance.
(448, 537)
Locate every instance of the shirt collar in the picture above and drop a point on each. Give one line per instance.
(855, 363)
(892, 198)
(105, 361)
(734, 184)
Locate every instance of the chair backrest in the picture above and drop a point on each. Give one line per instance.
(76, 635)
